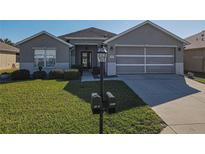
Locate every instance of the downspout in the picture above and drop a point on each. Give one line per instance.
(70, 57)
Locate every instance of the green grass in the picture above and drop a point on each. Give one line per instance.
(50, 106)
(198, 76)
(201, 80)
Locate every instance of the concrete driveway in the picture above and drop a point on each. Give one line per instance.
(179, 101)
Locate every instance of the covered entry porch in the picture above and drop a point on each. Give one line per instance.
(84, 55)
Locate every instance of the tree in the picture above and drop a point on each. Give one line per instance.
(7, 41)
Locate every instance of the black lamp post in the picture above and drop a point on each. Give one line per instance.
(102, 56)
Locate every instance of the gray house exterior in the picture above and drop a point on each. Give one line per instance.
(145, 48)
(44, 41)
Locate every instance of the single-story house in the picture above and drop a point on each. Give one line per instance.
(194, 54)
(8, 56)
(145, 48)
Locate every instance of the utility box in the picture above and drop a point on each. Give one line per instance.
(111, 103)
(96, 103)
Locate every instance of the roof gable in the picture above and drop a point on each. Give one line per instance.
(145, 23)
(89, 33)
(9, 48)
(196, 41)
(46, 33)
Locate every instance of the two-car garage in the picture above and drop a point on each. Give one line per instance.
(142, 59)
(145, 48)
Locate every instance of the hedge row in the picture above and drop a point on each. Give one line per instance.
(72, 74)
(24, 74)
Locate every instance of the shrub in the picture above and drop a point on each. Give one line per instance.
(79, 67)
(72, 74)
(190, 75)
(96, 70)
(20, 74)
(5, 73)
(39, 75)
(56, 74)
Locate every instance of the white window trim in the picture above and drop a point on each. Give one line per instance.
(144, 64)
(44, 57)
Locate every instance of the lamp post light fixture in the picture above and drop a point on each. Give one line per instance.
(102, 57)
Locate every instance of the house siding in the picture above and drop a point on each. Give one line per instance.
(7, 60)
(43, 42)
(194, 60)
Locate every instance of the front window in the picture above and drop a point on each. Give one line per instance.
(50, 58)
(44, 58)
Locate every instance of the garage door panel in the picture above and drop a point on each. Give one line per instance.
(130, 69)
(159, 60)
(133, 60)
(130, 60)
(160, 69)
(129, 51)
(160, 51)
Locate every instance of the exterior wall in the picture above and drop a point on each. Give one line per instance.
(146, 35)
(85, 42)
(80, 48)
(44, 42)
(7, 60)
(194, 60)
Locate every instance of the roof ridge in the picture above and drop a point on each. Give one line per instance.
(105, 31)
(142, 24)
(40, 33)
(9, 47)
(194, 34)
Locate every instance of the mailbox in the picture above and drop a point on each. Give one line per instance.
(111, 102)
(96, 103)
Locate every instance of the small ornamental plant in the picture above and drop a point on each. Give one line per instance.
(40, 68)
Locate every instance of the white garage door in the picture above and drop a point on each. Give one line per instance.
(133, 60)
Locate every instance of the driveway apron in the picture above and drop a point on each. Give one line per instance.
(179, 101)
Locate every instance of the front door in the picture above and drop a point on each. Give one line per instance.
(86, 59)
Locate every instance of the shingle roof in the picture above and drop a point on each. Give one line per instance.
(89, 33)
(196, 41)
(9, 48)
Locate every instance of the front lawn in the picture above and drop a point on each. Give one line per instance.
(50, 106)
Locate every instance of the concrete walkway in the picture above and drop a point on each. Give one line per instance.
(87, 76)
(179, 101)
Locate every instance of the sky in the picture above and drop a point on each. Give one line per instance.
(16, 30)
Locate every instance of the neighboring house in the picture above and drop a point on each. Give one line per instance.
(194, 54)
(8, 56)
(145, 48)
